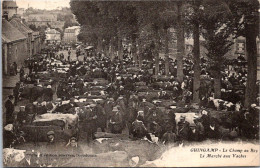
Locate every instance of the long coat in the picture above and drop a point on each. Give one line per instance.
(9, 106)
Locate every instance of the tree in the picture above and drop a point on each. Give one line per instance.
(246, 23)
(192, 18)
(217, 36)
(180, 41)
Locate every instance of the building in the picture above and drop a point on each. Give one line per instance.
(18, 23)
(40, 19)
(52, 36)
(9, 9)
(36, 43)
(14, 46)
(70, 34)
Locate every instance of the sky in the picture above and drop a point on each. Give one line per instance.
(43, 4)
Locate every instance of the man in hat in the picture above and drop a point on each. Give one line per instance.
(205, 120)
(108, 107)
(8, 136)
(116, 121)
(48, 93)
(16, 92)
(199, 129)
(73, 147)
(183, 128)
(139, 130)
(101, 115)
(51, 138)
(9, 106)
(89, 123)
(21, 116)
(169, 136)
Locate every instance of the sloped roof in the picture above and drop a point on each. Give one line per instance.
(17, 22)
(10, 33)
(52, 31)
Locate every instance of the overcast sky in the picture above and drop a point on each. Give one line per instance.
(43, 4)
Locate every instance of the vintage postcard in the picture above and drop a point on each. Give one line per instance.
(93, 83)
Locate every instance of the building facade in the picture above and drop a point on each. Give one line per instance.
(14, 46)
(18, 23)
(52, 36)
(70, 34)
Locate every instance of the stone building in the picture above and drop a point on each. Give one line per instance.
(14, 46)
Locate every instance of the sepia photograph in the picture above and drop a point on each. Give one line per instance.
(130, 83)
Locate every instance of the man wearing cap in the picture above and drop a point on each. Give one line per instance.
(183, 128)
(51, 138)
(9, 106)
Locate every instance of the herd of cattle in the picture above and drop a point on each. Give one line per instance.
(59, 92)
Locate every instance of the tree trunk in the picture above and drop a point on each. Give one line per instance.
(99, 45)
(217, 85)
(134, 50)
(111, 50)
(180, 43)
(156, 52)
(251, 49)
(167, 68)
(196, 60)
(120, 49)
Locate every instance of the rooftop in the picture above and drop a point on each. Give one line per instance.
(18, 23)
(10, 33)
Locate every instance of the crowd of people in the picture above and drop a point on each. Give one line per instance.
(116, 95)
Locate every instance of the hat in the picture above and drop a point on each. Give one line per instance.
(9, 127)
(111, 99)
(50, 133)
(35, 103)
(22, 108)
(204, 112)
(195, 117)
(141, 112)
(49, 86)
(73, 138)
(182, 117)
(44, 103)
(253, 105)
(115, 109)
(92, 105)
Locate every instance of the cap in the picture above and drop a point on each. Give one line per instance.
(9, 127)
(50, 133)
